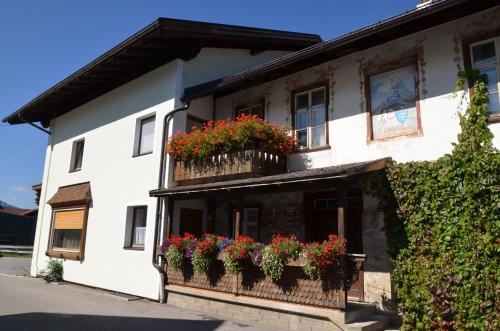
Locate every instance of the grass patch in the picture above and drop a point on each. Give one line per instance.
(19, 255)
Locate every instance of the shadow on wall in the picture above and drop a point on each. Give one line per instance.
(140, 94)
(63, 322)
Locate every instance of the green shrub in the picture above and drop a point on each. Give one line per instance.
(53, 272)
(443, 237)
(174, 257)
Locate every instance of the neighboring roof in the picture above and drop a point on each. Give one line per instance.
(77, 194)
(158, 43)
(19, 211)
(398, 26)
(303, 176)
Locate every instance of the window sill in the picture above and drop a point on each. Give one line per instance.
(64, 254)
(314, 149)
(143, 154)
(75, 170)
(134, 248)
(493, 118)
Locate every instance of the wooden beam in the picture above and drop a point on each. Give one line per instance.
(341, 213)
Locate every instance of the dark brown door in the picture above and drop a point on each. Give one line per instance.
(191, 221)
(324, 211)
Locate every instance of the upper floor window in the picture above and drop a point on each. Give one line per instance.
(193, 122)
(311, 117)
(251, 108)
(392, 101)
(77, 155)
(145, 136)
(485, 58)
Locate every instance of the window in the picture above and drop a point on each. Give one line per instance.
(392, 102)
(145, 137)
(192, 122)
(249, 225)
(311, 118)
(139, 226)
(67, 234)
(485, 59)
(252, 108)
(77, 155)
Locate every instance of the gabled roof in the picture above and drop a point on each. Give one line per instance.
(419, 19)
(160, 42)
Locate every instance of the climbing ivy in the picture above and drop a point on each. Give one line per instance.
(443, 221)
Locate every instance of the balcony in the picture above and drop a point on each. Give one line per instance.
(229, 150)
(249, 163)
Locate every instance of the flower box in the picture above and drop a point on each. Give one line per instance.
(294, 287)
(239, 165)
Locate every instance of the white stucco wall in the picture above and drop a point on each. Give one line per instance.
(440, 55)
(118, 180)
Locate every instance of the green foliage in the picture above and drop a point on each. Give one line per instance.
(272, 264)
(443, 224)
(53, 272)
(174, 257)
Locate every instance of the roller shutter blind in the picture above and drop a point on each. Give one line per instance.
(69, 219)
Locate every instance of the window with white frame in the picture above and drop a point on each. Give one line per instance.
(139, 215)
(145, 136)
(77, 155)
(310, 113)
(485, 58)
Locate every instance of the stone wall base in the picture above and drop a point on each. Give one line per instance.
(264, 312)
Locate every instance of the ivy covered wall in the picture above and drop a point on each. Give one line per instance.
(443, 222)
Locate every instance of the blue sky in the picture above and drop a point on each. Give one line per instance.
(42, 42)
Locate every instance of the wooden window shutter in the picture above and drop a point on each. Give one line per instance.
(69, 219)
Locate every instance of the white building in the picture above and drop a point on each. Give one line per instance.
(104, 153)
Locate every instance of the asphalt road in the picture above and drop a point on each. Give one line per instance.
(30, 304)
(19, 266)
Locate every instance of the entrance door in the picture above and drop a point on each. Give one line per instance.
(324, 218)
(191, 221)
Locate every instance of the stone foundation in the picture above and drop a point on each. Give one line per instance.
(263, 312)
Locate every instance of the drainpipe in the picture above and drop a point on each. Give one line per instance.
(159, 202)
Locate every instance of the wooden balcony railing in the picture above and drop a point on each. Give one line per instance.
(244, 164)
(294, 286)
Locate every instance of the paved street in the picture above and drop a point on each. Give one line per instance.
(15, 266)
(30, 304)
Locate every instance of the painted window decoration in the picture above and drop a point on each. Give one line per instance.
(139, 226)
(393, 103)
(68, 228)
(253, 108)
(485, 59)
(310, 118)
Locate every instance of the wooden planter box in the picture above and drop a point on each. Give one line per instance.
(245, 164)
(294, 286)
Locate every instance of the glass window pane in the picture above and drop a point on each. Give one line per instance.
(302, 138)
(318, 136)
(192, 122)
(257, 110)
(67, 239)
(483, 53)
(147, 135)
(318, 97)
(301, 120)
(318, 116)
(302, 101)
(493, 101)
(79, 155)
(139, 226)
